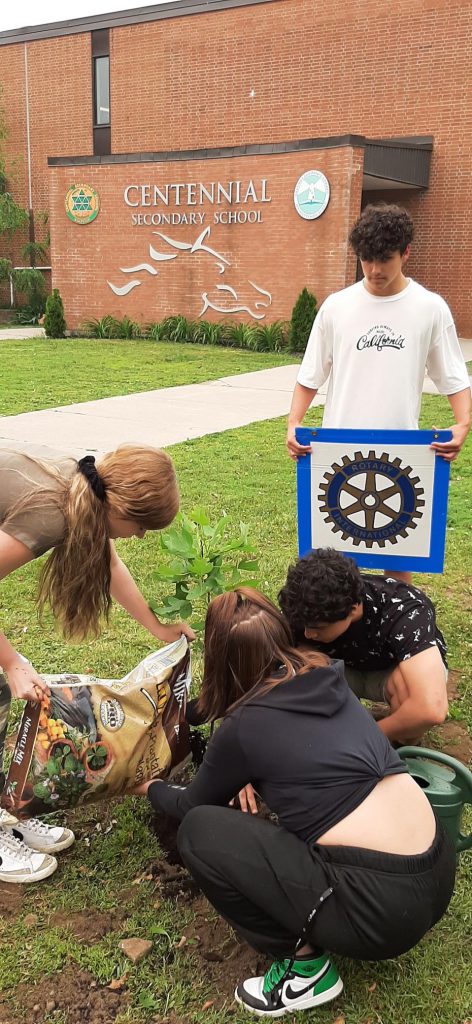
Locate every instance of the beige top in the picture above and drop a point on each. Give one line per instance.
(20, 475)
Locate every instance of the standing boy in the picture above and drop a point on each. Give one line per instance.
(376, 338)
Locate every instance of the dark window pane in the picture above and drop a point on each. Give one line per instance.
(102, 90)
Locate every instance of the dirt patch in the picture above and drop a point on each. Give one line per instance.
(86, 926)
(172, 880)
(165, 829)
(11, 900)
(453, 680)
(74, 993)
(225, 958)
(452, 738)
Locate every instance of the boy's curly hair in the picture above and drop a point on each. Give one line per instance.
(380, 231)
(321, 587)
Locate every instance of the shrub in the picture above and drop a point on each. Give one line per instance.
(271, 337)
(240, 335)
(177, 329)
(206, 332)
(54, 321)
(5, 268)
(303, 315)
(30, 282)
(155, 331)
(124, 329)
(26, 316)
(97, 328)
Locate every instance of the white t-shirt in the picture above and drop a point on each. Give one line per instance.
(375, 352)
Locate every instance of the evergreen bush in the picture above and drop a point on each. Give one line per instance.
(54, 321)
(303, 315)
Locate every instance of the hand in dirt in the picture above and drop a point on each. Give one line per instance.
(24, 682)
(247, 800)
(173, 631)
(143, 787)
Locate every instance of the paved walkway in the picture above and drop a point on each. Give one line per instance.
(162, 417)
(14, 333)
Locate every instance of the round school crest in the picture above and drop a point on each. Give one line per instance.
(82, 204)
(311, 195)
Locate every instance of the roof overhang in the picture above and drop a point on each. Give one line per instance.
(117, 19)
(401, 163)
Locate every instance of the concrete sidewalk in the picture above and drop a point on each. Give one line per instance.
(163, 417)
(21, 333)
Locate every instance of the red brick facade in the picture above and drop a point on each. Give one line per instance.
(259, 74)
(273, 248)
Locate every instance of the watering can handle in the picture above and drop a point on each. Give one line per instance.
(463, 774)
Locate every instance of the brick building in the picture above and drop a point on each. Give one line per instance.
(169, 145)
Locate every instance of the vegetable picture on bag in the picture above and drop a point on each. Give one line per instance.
(95, 738)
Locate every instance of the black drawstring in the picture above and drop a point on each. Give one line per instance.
(304, 933)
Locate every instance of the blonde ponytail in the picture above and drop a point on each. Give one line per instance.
(139, 485)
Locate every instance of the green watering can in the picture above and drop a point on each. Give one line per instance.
(446, 783)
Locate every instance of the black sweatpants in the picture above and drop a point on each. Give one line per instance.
(265, 882)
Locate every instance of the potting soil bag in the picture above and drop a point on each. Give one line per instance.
(97, 738)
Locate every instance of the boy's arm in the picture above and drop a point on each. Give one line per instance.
(314, 371)
(460, 404)
(417, 696)
(301, 400)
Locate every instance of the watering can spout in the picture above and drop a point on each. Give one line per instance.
(448, 785)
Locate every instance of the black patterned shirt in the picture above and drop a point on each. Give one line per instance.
(398, 622)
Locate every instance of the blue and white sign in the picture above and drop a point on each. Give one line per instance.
(311, 195)
(379, 496)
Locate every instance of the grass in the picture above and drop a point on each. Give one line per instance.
(39, 373)
(247, 473)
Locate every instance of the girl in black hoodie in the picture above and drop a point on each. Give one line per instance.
(358, 864)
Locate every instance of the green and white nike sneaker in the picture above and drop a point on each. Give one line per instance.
(20, 864)
(289, 986)
(36, 834)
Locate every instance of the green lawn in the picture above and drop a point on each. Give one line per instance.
(39, 373)
(246, 473)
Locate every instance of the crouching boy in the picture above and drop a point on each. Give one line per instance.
(385, 632)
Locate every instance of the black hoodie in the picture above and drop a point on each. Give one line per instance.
(308, 747)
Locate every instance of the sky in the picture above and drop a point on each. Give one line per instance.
(29, 12)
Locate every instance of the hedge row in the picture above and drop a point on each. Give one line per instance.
(274, 337)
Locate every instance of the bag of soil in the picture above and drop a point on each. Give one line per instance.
(97, 738)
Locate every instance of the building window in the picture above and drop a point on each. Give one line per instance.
(101, 90)
(101, 112)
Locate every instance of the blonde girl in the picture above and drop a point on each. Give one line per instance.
(76, 510)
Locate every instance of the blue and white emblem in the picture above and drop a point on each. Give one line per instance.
(311, 195)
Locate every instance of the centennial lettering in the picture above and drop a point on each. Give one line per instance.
(194, 193)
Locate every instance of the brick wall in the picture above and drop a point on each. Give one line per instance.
(278, 71)
(281, 253)
(60, 106)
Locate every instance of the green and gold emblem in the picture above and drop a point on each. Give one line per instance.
(82, 204)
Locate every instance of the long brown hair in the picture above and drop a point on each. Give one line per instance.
(140, 485)
(248, 649)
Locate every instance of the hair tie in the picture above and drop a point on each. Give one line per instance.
(87, 467)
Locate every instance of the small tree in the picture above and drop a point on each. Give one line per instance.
(30, 282)
(303, 315)
(54, 321)
(204, 561)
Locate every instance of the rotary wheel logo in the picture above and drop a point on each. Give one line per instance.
(82, 204)
(371, 499)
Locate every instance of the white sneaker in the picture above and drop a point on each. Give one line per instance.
(20, 864)
(6, 819)
(37, 835)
